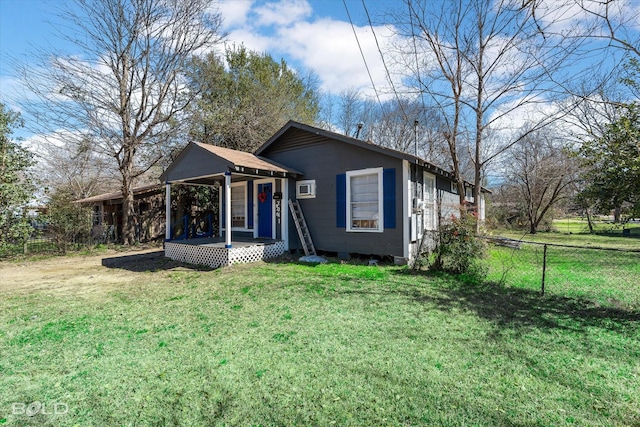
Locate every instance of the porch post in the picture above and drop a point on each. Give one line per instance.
(227, 208)
(284, 213)
(167, 212)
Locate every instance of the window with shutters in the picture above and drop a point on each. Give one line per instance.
(365, 200)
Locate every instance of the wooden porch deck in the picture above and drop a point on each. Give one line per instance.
(219, 242)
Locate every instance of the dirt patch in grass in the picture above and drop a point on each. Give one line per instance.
(81, 275)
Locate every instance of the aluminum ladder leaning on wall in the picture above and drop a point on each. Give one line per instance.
(301, 226)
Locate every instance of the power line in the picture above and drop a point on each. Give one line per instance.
(383, 61)
(415, 51)
(361, 52)
(420, 84)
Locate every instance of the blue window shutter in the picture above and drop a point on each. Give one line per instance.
(250, 204)
(341, 200)
(389, 198)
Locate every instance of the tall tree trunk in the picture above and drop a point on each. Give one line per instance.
(126, 169)
(588, 212)
(128, 226)
(480, 111)
(616, 214)
(532, 219)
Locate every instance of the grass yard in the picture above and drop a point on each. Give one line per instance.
(580, 226)
(609, 278)
(157, 343)
(606, 277)
(576, 239)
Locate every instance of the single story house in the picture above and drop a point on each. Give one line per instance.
(357, 197)
(107, 213)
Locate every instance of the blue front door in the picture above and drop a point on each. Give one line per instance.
(265, 211)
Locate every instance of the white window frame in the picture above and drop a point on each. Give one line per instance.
(98, 215)
(242, 184)
(454, 187)
(312, 186)
(429, 204)
(362, 172)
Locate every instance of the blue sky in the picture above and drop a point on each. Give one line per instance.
(308, 34)
(311, 35)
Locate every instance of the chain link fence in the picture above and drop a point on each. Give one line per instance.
(606, 276)
(45, 243)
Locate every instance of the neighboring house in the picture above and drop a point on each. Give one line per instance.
(357, 197)
(149, 211)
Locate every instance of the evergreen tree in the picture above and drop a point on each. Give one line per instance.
(16, 182)
(613, 165)
(243, 104)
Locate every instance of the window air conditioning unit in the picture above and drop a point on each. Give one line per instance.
(306, 189)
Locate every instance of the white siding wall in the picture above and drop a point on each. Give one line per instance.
(450, 205)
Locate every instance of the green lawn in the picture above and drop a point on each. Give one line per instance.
(575, 267)
(575, 239)
(579, 225)
(288, 344)
(610, 278)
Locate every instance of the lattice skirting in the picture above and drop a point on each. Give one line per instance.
(220, 257)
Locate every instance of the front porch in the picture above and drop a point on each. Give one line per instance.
(252, 223)
(214, 252)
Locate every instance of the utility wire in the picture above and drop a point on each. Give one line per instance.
(420, 84)
(383, 61)
(361, 52)
(415, 51)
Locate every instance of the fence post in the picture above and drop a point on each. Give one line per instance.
(544, 267)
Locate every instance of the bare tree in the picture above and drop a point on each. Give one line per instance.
(614, 22)
(400, 124)
(482, 63)
(122, 91)
(539, 173)
(410, 127)
(355, 113)
(75, 167)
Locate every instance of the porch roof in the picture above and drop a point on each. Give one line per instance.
(203, 163)
(116, 196)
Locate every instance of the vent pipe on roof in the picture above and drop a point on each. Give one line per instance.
(359, 129)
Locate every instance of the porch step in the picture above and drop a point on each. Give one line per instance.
(301, 226)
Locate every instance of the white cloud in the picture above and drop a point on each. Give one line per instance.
(572, 16)
(250, 39)
(511, 117)
(327, 46)
(41, 143)
(11, 90)
(330, 49)
(284, 12)
(234, 12)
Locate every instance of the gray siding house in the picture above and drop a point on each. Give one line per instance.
(357, 197)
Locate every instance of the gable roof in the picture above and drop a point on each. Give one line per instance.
(353, 141)
(242, 158)
(359, 143)
(206, 160)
